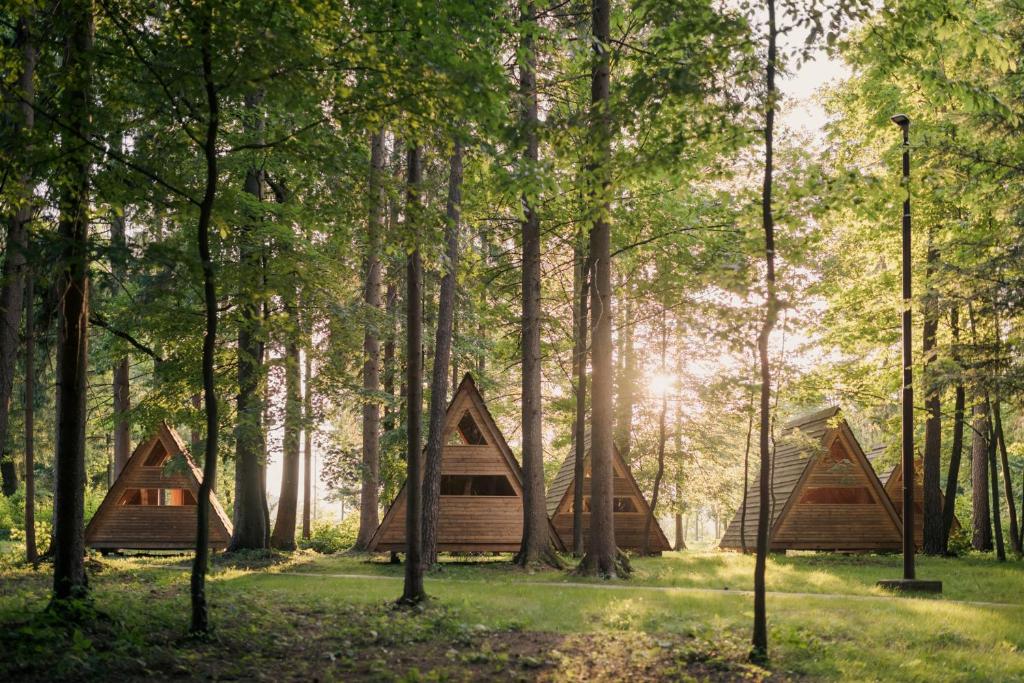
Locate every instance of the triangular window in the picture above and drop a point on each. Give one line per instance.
(157, 457)
(470, 432)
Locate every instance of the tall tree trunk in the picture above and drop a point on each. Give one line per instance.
(413, 592)
(997, 517)
(627, 379)
(12, 277)
(121, 384)
(956, 453)
(982, 519)
(69, 579)
(746, 474)
(1011, 502)
(601, 554)
(442, 357)
(932, 501)
(251, 518)
(579, 356)
(680, 543)
(662, 417)
(307, 446)
(200, 616)
(370, 489)
(283, 537)
(536, 542)
(30, 399)
(759, 641)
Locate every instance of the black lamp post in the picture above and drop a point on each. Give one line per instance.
(909, 582)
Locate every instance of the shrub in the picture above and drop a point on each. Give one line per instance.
(327, 537)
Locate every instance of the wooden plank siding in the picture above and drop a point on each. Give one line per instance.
(468, 523)
(825, 494)
(629, 526)
(156, 527)
(893, 482)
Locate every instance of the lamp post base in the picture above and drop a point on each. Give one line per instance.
(910, 586)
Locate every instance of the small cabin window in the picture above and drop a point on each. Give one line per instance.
(476, 485)
(157, 497)
(157, 457)
(620, 504)
(470, 432)
(837, 495)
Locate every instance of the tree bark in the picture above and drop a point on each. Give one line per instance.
(1011, 501)
(580, 372)
(759, 641)
(69, 579)
(283, 537)
(200, 615)
(601, 554)
(122, 381)
(982, 519)
(12, 277)
(251, 518)
(30, 399)
(442, 358)
(627, 380)
(956, 453)
(307, 452)
(932, 503)
(413, 592)
(997, 517)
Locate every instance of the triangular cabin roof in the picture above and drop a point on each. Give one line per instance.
(152, 506)
(481, 486)
(628, 525)
(892, 480)
(824, 496)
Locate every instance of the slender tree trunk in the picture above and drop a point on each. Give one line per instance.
(122, 382)
(1011, 501)
(627, 380)
(997, 517)
(251, 523)
(601, 554)
(390, 362)
(307, 452)
(200, 615)
(370, 490)
(759, 641)
(283, 537)
(956, 453)
(413, 592)
(536, 542)
(662, 418)
(746, 474)
(12, 277)
(982, 536)
(69, 579)
(580, 366)
(442, 358)
(932, 502)
(30, 399)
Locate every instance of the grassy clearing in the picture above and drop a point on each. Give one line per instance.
(282, 618)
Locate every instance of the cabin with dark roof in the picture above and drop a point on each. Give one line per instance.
(631, 509)
(824, 494)
(152, 503)
(481, 505)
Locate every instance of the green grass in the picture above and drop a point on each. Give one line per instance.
(844, 630)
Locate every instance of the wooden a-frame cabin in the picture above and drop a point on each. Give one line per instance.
(825, 494)
(631, 508)
(893, 483)
(152, 504)
(481, 505)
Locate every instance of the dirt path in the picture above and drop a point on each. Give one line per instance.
(682, 589)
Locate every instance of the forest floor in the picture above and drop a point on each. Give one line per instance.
(683, 616)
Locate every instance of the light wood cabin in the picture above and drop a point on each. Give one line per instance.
(631, 508)
(481, 505)
(893, 483)
(152, 504)
(825, 494)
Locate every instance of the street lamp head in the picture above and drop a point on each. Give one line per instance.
(901, 120)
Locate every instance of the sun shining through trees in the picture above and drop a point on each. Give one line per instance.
(578, 321)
